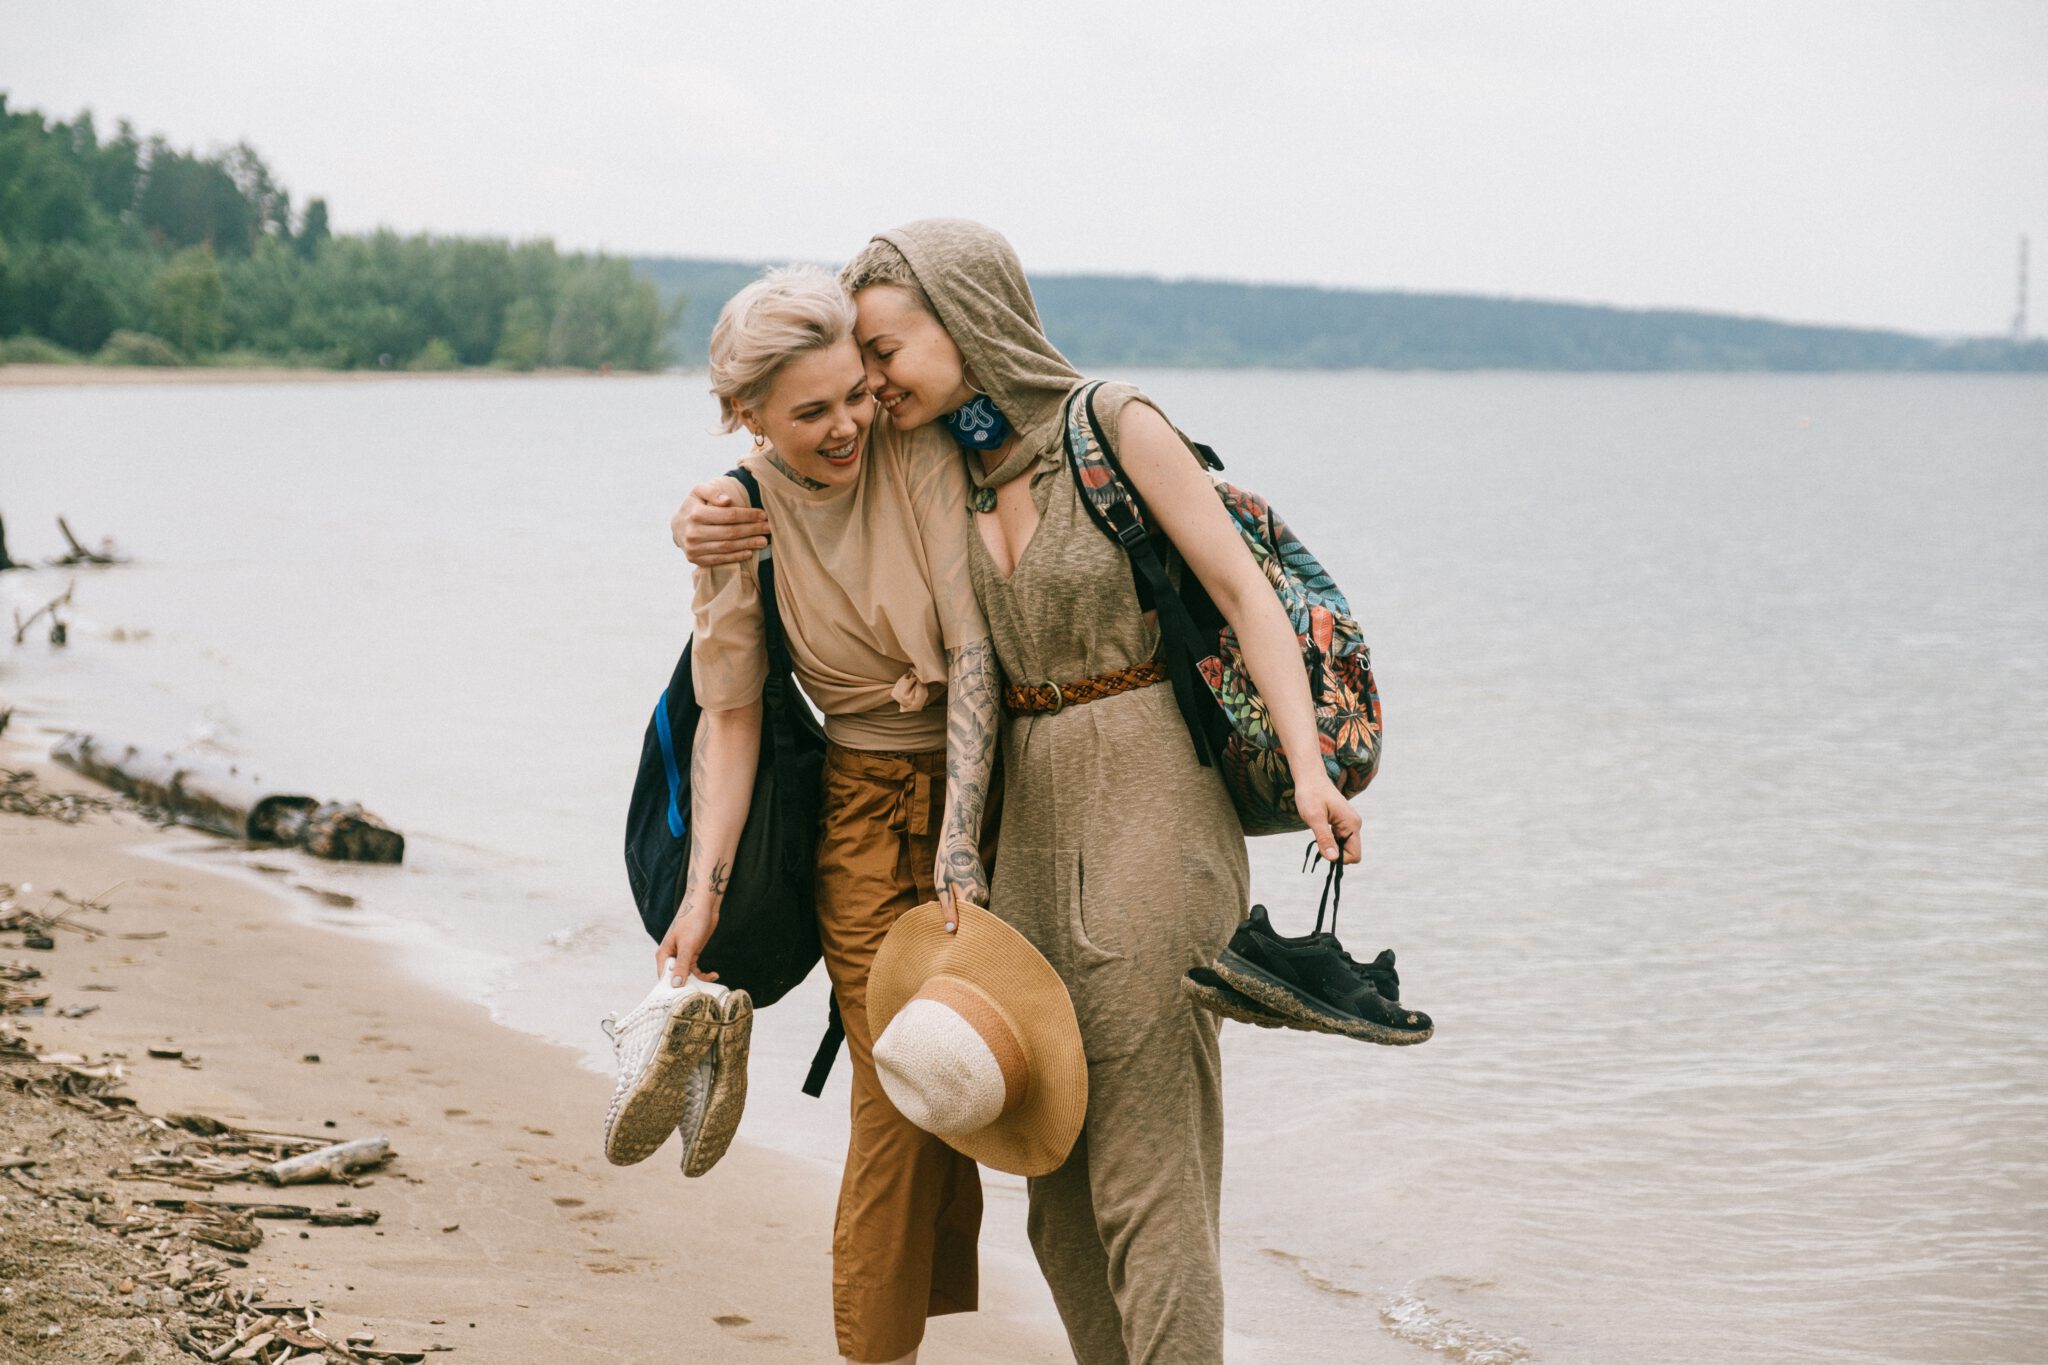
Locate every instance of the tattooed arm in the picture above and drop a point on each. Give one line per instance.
(971, 721)
(722, 763)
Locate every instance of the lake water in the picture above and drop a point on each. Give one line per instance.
(1713, 828)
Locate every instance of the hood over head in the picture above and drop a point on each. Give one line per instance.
(977, 285)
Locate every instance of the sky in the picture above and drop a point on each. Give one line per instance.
(1862, 162)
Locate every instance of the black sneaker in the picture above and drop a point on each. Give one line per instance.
(1212, 993)
(1378, 973)
(1312, 981)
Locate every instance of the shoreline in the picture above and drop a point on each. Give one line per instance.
(498, 1208)
(24, 376)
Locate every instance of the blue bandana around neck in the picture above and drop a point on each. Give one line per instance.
(979, 425)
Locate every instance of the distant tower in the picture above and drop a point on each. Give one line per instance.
(2019, 315)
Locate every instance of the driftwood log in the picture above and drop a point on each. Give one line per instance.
(226, 801)
(330, 1163)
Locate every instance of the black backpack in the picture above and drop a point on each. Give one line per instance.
(767, 936)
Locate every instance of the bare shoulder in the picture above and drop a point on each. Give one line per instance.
(1151, 451)
(1110, 399)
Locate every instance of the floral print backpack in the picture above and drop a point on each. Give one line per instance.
(1226, 718)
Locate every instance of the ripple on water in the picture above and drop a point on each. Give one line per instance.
(1416, 1321)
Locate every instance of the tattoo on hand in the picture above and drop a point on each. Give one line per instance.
(964, 873)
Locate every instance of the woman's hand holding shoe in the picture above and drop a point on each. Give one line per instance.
(685, 939)
(1334, 821)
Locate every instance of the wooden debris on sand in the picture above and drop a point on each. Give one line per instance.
(51, 609)
(201, 1152)
(186, 1248)
(272, 1333)
(69, 1078)
(340, 830)
(78, 554)
(226, 801)
(74, 555)
(21, 794)
(15, 997)
(38, 927)
(337, 1162)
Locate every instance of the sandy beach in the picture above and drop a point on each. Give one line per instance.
(503, 1233)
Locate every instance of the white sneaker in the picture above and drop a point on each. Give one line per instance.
(715, 1092)
(659, 1045)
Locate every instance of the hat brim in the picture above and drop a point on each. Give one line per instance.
(1035, 1137)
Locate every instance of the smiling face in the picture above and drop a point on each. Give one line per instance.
(817, 412)
(914, 368)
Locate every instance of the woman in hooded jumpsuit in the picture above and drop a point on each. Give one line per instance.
(1122, 857)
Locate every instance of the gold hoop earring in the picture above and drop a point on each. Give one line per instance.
(760, 441)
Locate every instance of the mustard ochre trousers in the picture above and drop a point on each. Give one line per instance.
(903, 1245)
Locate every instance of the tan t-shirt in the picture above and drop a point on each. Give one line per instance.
(871, 579)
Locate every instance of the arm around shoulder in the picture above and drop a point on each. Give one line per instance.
(717, 525)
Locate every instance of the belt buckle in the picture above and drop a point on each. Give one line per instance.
(1059, 698)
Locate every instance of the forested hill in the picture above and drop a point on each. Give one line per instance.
(122, 249)
(1130, 320)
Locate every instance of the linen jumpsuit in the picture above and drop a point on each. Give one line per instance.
(1124, 863)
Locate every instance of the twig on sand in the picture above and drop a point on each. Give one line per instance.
(97, 902)
(21, 794)
(78, 554)
(49, 608)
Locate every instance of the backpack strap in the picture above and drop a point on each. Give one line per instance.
(778, 643)
(1114, 505)
(828, 1048)
(779, 666)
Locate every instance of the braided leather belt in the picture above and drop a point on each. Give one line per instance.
(1049, 697)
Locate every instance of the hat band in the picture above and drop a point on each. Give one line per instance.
(987, 1019)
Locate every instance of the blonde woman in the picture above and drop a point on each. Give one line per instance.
(871, 582)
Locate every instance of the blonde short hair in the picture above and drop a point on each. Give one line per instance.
(879, 262)
(790, 311)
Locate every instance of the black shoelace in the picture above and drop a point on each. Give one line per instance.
(1332, 898)
(1333, 888)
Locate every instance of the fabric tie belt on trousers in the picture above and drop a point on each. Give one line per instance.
(916, 777)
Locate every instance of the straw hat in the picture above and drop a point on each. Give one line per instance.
(976, 1041)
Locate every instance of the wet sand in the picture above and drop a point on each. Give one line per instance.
(499, 1209)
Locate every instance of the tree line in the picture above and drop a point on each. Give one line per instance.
(126, 250)
(1104, 321)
